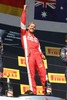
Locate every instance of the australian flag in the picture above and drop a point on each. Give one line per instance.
(51, 10)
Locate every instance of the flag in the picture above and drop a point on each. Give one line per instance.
(54, 10)
(43, 1)
(12, 7)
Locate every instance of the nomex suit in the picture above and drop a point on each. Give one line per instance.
(33, 55)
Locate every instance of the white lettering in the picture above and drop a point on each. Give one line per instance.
(32, 39)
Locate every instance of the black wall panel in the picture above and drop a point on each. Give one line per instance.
(13, 49)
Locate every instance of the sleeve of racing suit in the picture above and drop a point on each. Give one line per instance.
(23, 22)
(40, 50)
(23, 26)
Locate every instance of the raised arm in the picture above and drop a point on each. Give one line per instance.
(23, 20)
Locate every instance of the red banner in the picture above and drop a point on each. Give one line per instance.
(14, 3)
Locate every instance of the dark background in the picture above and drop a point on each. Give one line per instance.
(13, 49)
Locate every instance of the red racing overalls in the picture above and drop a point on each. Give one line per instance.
(33, 55)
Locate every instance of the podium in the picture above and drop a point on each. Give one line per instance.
(30, 98)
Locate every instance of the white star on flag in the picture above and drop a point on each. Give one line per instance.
(66, 18)
(44, 14)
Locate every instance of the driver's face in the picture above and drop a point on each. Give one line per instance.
(31, 28)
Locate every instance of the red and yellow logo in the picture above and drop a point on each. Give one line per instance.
(52, 51)
(12, 73)
(22, 62)
(24, 88)
(56, 78)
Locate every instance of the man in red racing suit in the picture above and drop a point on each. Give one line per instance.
(34, 56)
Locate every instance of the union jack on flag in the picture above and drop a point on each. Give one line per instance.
(51, 10)
(50, 3)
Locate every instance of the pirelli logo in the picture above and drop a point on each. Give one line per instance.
(12, 73)
(52, 51)
(56, 78)
(21, 62)
(24, 88)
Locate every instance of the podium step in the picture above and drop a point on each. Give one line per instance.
(30, 98)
